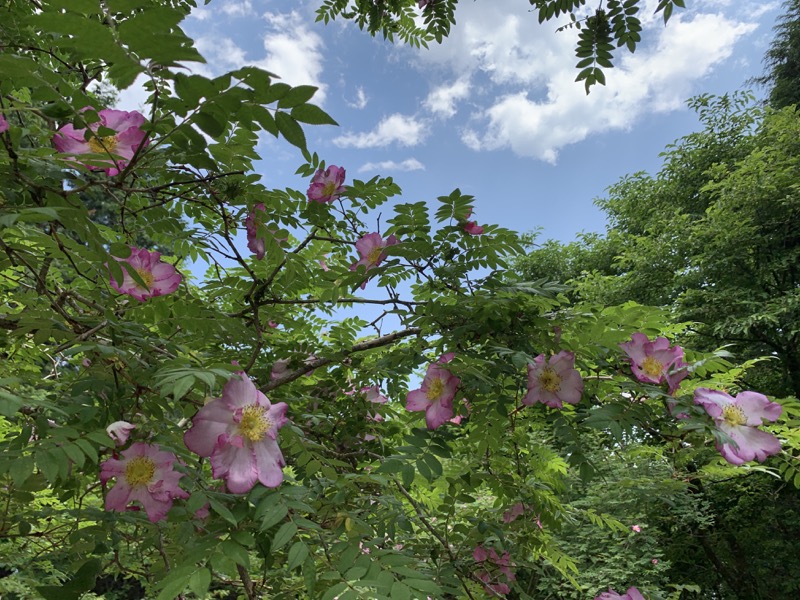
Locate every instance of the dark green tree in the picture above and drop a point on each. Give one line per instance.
(782, 60)
(714, 236)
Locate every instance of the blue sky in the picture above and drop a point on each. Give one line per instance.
(494, 110)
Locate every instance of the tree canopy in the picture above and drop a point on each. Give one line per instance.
(216, 389)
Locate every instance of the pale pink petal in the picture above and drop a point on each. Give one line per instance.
(713, 401)
(269, 462)
(368, 243)
(373, 394)
(120, 120)
(68, 144)
(417, 400)
(439, 412)
(211, 421)
(118, 497)
(751, 444)
(237, 466)
(155, 508)
(128, 142)
(119, 431)
(239, 391)
(758, 408)
(572, 388)
(276, 413)
(633, 594)
(473, 228)
(609, 595)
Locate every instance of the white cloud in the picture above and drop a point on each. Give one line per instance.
(442, 100)
(221, 53)
(410, 164)
(134, 97)
(294, 52)
(360, 101)
(396, 128)
(238, 8)
(200, 13)
(523, 75)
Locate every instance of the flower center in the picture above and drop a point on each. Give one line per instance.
(147, 277)
(254, 424)
(435, 389)
(549, 380)
(140, 471)
(375, 255)
(652, 366)
(734, 415)
(329, 189)
(103, 145)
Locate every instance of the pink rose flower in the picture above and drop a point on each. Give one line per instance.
(254, 221)
(654, 561)
(655, 362)
(739, 418)
(513, 513)
(371, 248)
(436, 394)
(636, 528)
(144, 474)
(498, 564)
(554, 381)
(280, 368)
(472, 228)
(160, 278)
(631, 594)
(120, 431)
(239, 432)
(254, 244)
(3, 124)
(128, 137)
(326, 185)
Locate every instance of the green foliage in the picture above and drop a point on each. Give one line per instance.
(782, 59)
(369, 507)
(613, 24)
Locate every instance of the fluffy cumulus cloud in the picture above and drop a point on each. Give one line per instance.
(237, 8)
(394, 129)
(442, 100)
(294, 52)
(221, 53)
(530, 102)
(410, 164)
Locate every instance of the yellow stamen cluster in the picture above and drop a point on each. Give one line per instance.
(103, 145)
(146, 276)
(549, 380)
(435, 389)
(255, 423)
(734, 415)
(374, 254)
(140, 471)
(653, 367)
(329, 188)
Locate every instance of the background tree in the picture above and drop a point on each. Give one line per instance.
(782, 59)
(139, 453)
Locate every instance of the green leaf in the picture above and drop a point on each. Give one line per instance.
(297, 555)
(296, 96)
(175, 582)
(313, 115)
(290, 130)
(199, 582)
(284, 535)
